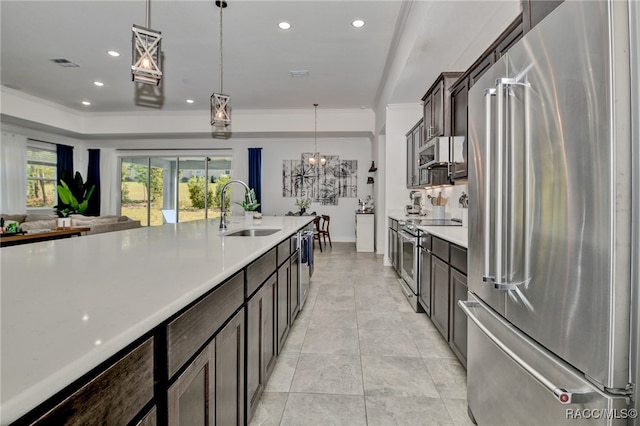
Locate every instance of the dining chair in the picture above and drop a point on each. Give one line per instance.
(317, 232)
(324, 229)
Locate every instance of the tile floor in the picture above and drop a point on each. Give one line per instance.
(358, 355)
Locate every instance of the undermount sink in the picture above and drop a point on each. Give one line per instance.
(252, 232)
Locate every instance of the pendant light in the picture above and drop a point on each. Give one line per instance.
(145, 53)
(220, 108)
(316, 154)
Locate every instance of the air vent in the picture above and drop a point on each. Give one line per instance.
(65, 63)
(300, 73)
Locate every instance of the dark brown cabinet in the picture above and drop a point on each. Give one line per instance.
(210, 390)
(440, 295)
(283, 304)
(114, 397)
(459, 129)
(458, 320)
(534, 11)
(436, 106)
(261, 341)
(414, 142)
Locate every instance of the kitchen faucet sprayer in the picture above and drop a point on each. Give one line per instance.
(223, 206)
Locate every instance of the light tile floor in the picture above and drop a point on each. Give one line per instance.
(358, 355)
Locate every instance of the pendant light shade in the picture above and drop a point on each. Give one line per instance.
(146, 53)
(220, 106)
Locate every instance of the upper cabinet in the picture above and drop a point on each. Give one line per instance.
(437, 110)
(534, 11)
(415, 140)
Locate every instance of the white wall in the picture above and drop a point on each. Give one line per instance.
(399, 120)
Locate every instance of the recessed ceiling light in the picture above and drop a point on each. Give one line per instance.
(190, 101)
(284, 25)
(98, 83)
(113, 53)
(86, 103)
(358, 23)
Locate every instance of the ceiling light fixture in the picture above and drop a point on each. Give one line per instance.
(98, 83)
(316, 154)
(113, 53)
(190, 101)
(86, 103)
(357, 23)
(220, 108)
(284, 25)
(145, 53)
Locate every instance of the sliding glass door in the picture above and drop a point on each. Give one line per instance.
(161, 189)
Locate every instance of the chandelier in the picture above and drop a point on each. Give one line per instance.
(220, 108)
(145, 53)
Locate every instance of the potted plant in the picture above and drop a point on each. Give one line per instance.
(250, 203)
(303, 204)
(74, 198)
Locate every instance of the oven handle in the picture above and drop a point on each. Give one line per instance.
(406, 236)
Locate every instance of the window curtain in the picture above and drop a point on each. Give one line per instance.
(13, 174)
(109, 182)
(255, 173)
(93, 178)
(65, 163)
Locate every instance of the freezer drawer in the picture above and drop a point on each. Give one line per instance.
(512, 380)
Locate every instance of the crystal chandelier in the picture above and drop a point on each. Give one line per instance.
(145, 53)
(220, 108)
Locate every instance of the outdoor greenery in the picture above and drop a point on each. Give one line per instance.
(196, 191)
(41, 185)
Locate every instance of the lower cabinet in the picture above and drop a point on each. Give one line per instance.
(284, 274)
(115, 396)
(458, 320)
(294, 289)
(440, 297)
(211, 388)
(261, 341)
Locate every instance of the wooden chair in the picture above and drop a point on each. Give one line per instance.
(324, 230)
(317, 232)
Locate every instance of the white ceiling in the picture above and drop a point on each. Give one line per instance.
(347, 66)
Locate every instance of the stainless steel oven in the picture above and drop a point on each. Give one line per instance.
(409, 236)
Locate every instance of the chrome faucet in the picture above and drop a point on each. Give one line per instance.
(223, 201)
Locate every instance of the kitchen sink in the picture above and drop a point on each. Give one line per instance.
(252, 232)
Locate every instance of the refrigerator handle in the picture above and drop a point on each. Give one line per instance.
(487, 277)
(561, 394)
(504, 89)
(499, 179)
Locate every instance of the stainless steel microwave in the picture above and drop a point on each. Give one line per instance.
(435, 152)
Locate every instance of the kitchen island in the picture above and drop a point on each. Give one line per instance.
(73, 308)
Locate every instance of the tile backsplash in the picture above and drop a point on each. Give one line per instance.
(451, 193)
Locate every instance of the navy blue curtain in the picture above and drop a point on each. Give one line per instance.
(65, 163)
(93, 178)
(255, 173)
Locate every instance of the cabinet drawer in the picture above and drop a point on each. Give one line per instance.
(459, 258)
(259, 271)
(187, 333)
(425, 241)
(284, 251)
(440, 248)
(115, 397)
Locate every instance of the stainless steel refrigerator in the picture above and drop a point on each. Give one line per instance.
(551, 216)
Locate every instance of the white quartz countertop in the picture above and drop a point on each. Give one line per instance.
(68, 305)
(454, 234)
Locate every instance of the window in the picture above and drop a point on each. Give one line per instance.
(41, 177)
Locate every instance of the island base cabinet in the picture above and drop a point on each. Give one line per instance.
(283, 303)
(230, 355)
(190, 400)
(294, 290)
(261, 341)
(116, 396)
(210, 389)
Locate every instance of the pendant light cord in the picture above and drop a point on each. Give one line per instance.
(221, 64)
(315, 131)
(147, 13)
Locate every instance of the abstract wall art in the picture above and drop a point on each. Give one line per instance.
(324, 184)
